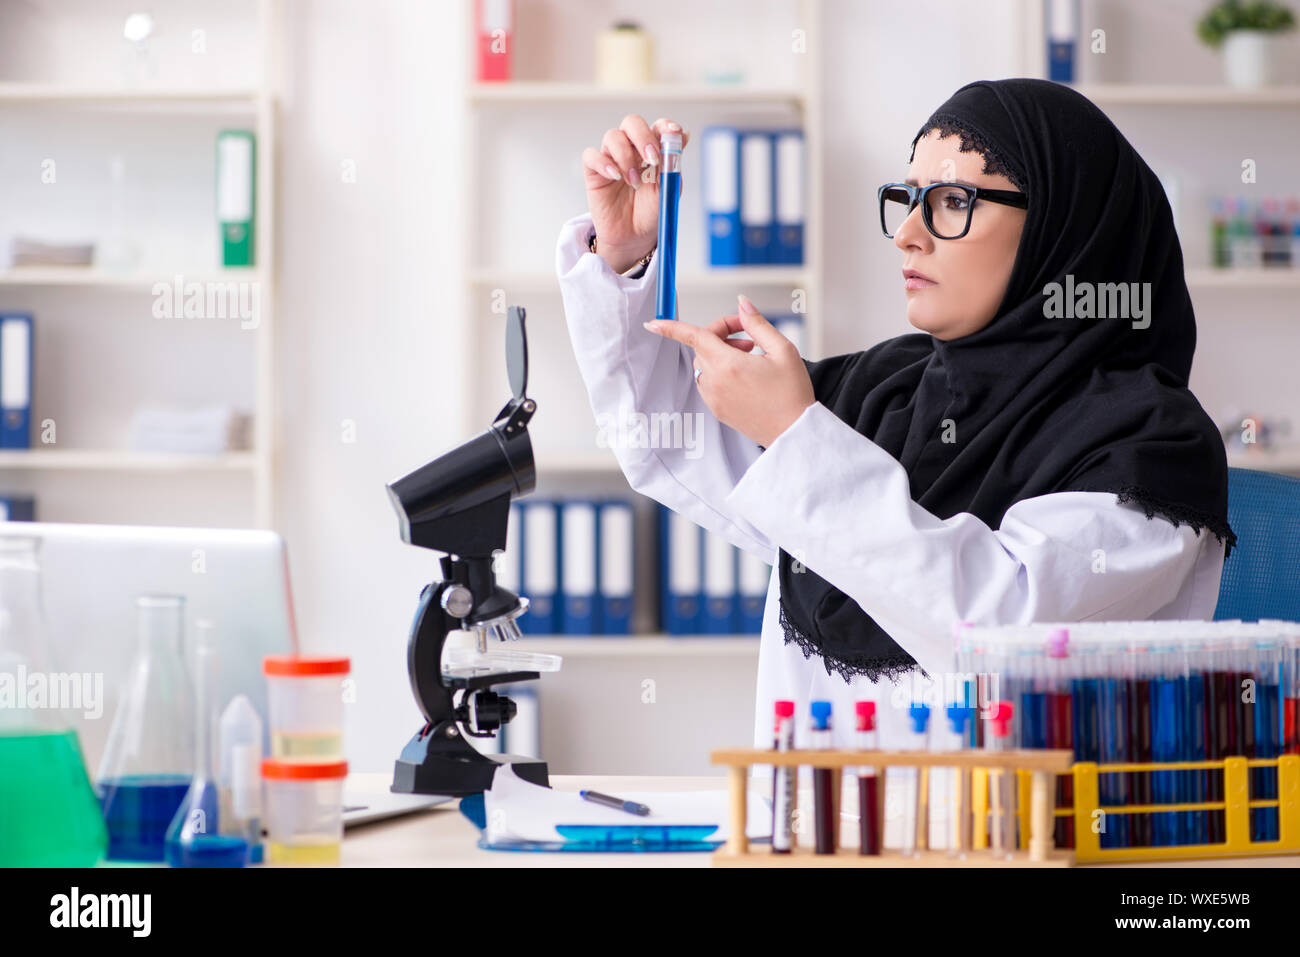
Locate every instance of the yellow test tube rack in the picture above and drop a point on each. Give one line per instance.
(1090, 815)
(1039, 767)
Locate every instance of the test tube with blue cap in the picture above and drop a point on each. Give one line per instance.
(670, 191)
(914, 813)
(824, 819)
(958, 784)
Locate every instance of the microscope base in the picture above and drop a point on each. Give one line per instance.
(457, 771)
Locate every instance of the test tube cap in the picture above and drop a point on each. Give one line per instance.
(919, 713)
(785, 709)
(1057, 640)
(1000, 719)
(958, 715)
(866, 712)
(298, 666)
(821, 714)
(670, 142)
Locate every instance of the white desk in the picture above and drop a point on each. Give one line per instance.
(443, 837)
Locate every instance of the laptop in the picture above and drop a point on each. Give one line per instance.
(91, 576)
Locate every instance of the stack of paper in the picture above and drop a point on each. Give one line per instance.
(520, 811)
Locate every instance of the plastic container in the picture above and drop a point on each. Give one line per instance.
(304, 811)
(305, 707)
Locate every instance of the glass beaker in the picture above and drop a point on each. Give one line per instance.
(194, 838)
(149, 758)
(48, 813)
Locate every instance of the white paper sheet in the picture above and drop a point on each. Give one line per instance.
(518, 810)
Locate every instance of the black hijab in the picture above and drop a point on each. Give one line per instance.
(1040, 405)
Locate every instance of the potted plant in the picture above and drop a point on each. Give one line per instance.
(1250, 35)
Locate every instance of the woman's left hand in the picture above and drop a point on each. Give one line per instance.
(759, 396)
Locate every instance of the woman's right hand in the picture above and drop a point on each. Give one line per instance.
(624, 202)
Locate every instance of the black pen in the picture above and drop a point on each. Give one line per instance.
(618, 804)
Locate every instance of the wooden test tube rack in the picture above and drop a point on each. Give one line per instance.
(1043, 767)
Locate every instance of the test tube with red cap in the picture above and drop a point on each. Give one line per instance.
(1002, 783)
(868, 782)
(783, 781)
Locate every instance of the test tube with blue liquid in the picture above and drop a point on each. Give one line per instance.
(670, 191)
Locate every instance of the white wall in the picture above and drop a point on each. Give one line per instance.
(372, 320)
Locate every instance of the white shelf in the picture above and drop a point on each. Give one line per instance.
(525, 91)
(1282, 277)
(90, 276)
(1156, 94)
(210, 100)
(623, 646)
(252, 105)
(112, 460)
(595, 462)
(728, 278)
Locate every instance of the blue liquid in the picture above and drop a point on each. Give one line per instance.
(137, 811)
(670, 190)
(1165, 723)
(208, 851)
(1113, 786)
(1194, 825)
(1033, 711)
(1268, 739)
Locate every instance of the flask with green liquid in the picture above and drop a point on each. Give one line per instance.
(49, 814)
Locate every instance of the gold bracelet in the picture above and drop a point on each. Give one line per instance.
(645, 260)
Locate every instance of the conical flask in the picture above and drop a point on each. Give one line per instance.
(194, 838)
(48, 813)
(149, 758)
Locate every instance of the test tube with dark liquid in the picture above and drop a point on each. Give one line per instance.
(868, 782)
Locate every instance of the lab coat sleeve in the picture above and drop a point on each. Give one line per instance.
(842, 505)
(668, 443)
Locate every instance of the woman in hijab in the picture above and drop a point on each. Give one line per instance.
(1032, 454)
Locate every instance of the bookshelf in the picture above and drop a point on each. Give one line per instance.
(75, 298)
(564, 439)
(1265, 295)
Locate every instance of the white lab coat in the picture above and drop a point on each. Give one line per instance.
(834, 499)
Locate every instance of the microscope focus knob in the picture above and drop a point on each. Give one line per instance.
(457, 601)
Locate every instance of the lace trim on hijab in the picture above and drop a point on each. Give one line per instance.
(1152, 505)
(874, 668)
(971, 141)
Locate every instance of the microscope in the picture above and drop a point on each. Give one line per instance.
(460, 504)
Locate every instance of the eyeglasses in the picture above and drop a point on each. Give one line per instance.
(945, 207)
